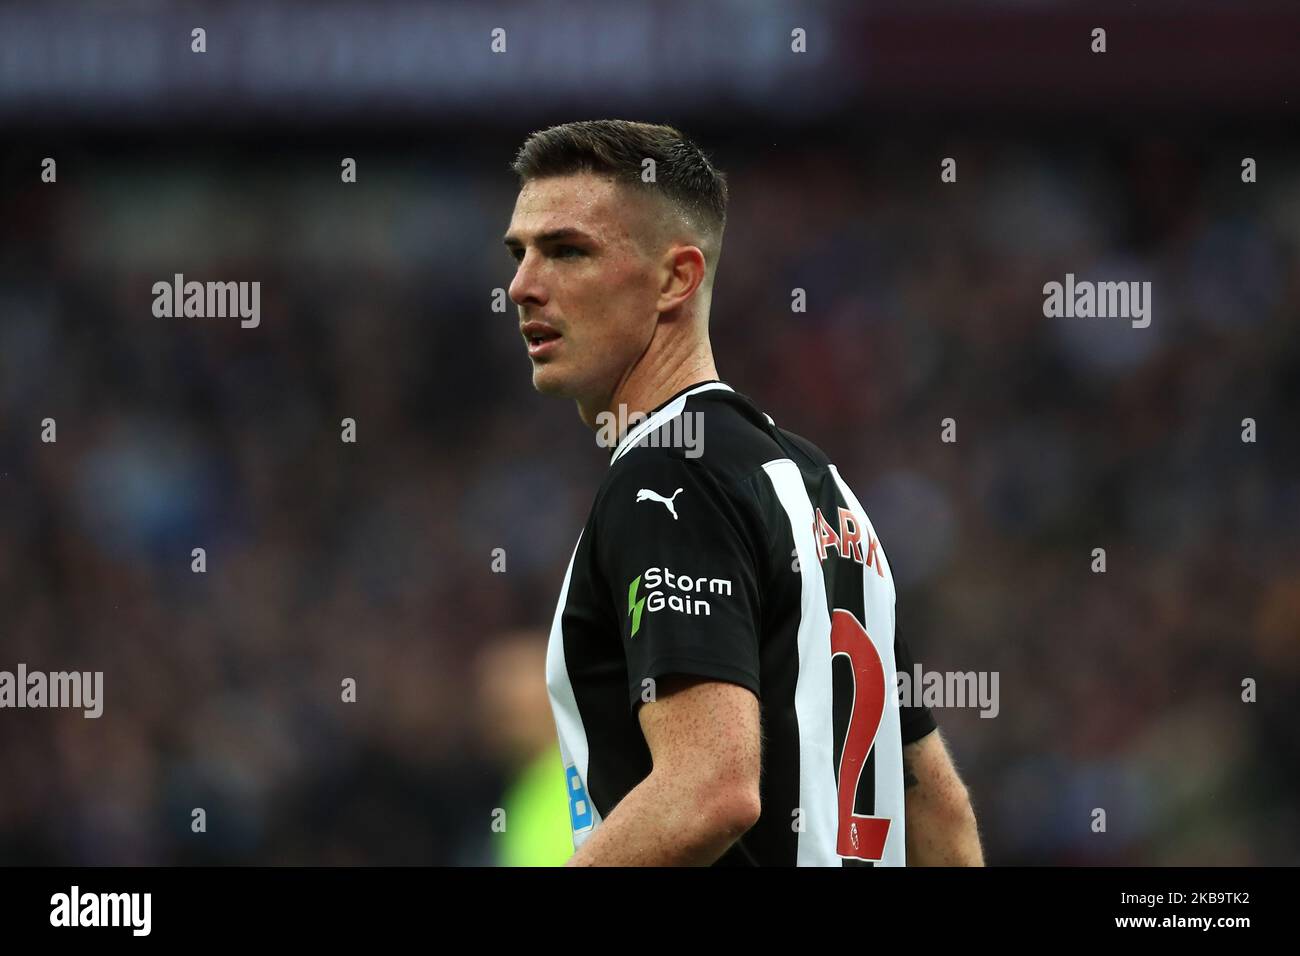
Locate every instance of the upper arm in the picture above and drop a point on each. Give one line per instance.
(683, 581)
(929, 773)
(705, 740)
(941, 827)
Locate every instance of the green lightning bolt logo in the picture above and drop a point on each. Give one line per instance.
(634, 606)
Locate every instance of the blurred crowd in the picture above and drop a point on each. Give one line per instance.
(374, 560)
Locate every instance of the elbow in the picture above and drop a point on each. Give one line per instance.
(745, 809)
(730, 812)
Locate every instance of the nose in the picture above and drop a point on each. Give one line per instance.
(526, 288)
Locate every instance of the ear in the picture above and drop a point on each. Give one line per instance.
(683, 274)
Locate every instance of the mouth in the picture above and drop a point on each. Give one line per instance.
(542, 342)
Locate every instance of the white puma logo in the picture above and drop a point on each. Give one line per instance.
(645, 494)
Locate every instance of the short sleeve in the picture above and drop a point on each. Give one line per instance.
(677, 551)
(914, 720)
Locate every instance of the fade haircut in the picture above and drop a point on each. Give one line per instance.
(618, 148)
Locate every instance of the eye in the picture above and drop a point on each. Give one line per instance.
(569, 252)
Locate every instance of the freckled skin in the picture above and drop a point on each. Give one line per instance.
(630, 298)
(702, 794)
(941, 828)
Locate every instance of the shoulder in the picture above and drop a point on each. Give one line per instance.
(680, 484)
(718, 433)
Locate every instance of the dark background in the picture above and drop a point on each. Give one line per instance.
(373, 560)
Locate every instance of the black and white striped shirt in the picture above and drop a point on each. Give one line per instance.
(747, 560)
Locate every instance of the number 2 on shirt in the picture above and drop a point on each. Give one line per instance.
(860, 837)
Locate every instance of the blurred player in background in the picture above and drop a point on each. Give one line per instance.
(518, 730)
(721, 662)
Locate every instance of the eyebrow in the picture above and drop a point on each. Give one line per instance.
(566, 233)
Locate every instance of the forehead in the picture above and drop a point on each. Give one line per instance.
(595, 204)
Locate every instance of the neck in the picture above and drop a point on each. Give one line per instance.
(651, 382)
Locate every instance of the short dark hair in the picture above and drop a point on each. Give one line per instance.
(683, 174)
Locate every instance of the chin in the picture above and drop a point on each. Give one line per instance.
(549, 381)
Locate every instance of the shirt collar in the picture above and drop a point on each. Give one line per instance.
(663, 412)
